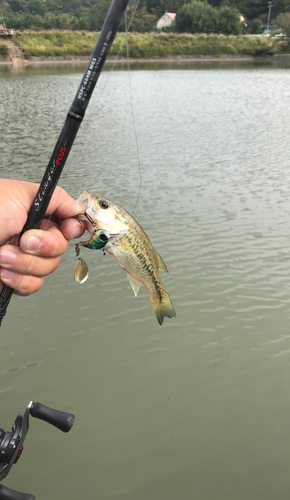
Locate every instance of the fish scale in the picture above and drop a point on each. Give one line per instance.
(130, 246)
(141, 262)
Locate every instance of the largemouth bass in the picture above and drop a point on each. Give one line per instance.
(131, 248)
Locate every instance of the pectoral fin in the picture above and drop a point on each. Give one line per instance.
(134, 284)
(119, 232)
(161, 263)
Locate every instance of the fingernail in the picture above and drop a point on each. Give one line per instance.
(6, 274)
(32, 244)
(7, 257)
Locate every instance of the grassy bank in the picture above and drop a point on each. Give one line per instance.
(152, 45)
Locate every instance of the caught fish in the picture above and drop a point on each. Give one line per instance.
(131, 248)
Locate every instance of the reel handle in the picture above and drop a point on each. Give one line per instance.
(7, 494)
(61, 420)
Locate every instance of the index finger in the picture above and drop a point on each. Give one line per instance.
(63, 205)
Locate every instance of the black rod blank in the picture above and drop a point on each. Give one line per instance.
(70, 128)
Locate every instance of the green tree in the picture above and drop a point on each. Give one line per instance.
(53, 6)
(216, 3)
(20, 14)
(36, 7)
(84, 23)
(257, 26)
(197, 17)
(200, 17)
(283, 21)
(17, 5)
(229, 21)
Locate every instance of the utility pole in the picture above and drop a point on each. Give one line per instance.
(269, 15)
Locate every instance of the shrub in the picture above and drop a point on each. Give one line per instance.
(257, 26)
(152, 45)
(4, 51)
(229, 21)
(283, 21)
(200, 17)
(197, 17)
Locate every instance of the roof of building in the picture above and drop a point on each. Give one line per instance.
(171, 15)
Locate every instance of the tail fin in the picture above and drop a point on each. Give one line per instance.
(163, 308)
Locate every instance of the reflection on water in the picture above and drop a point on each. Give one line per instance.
(184, 63)
(197, 408)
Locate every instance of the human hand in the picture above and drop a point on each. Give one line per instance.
(38, 254)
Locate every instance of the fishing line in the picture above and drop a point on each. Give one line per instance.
(133, 114)
(124, 40)
(106, 82)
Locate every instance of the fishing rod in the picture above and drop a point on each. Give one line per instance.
(11, 442)
(70, 128)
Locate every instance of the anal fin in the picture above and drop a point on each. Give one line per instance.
(134, 284)
(161, 263)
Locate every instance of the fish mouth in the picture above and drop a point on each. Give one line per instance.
(118, 232)
(84, 216)
(84, 198)
(97, 216)
(88, 217)
(91, 211)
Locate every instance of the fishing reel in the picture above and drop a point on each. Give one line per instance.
(11, 443)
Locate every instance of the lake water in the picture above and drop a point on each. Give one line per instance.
(200, 407)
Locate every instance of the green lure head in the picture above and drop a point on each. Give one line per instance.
(98, 239)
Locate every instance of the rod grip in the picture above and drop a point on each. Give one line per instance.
(8, 494)
(61, 420)
(5, 297)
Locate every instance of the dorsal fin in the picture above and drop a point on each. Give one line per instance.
(134, 284)
(161, 263)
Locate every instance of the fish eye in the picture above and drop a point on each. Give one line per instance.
(103, 204)
(103, 237)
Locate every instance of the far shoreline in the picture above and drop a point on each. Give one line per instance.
(51, 62)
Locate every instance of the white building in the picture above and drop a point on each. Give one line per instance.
(244, 20)
(166, 20)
